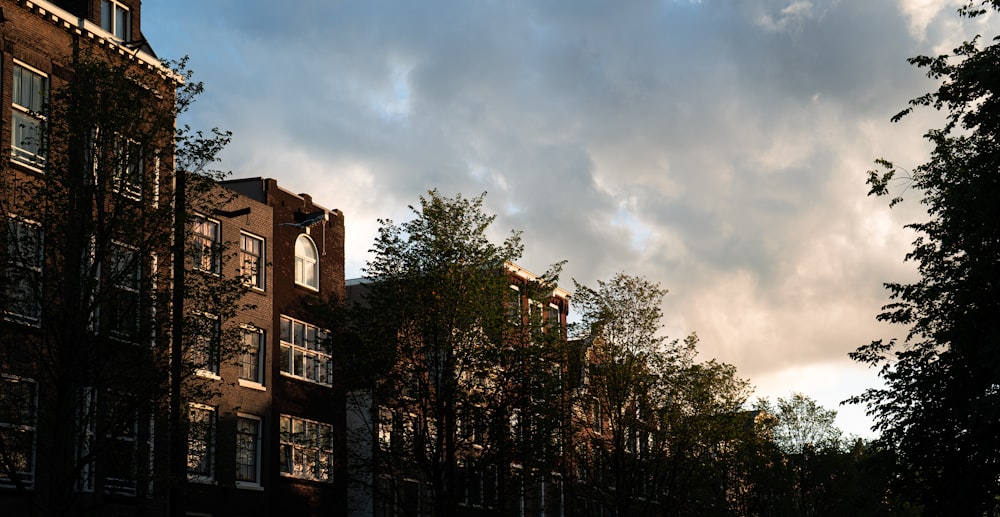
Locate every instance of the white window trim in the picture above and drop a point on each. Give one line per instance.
(315, 264)
(42, 160)
(295, 446)
(204, 372)
(115, 5)
(39, 269)
(261, 360)
(210, 446)
(137, 290)
(254, 485)
(216, 251)
(262, 269)
(32, 428)
(305, 352)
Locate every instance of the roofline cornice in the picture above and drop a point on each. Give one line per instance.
(87, 29)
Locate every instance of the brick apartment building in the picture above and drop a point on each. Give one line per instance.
(266, 435)
(298, 406)
(76, 297)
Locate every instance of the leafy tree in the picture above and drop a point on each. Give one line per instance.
(462, 372)
(87, 233)
(938, 409)
(626, 357)
(801, 424)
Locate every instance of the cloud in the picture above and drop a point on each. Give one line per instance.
(717, 147)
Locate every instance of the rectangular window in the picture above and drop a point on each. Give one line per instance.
(304, 352)
(252, 260)
(128, 168)
(207, 243)
(125, 277)
(201, 442)
(247, 450)
(29, 97)
(252, 357)
(22, 275)
(306, 449)
(116, 19)
(207, 336)
(120, 464)
(86, 435)
(18, 415)
(514, 305)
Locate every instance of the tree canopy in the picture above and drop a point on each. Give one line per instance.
(939, 408)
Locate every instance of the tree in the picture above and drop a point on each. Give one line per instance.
(458, 359)
(938, 409)
(87, 216)
(801, 424)
(648, 408)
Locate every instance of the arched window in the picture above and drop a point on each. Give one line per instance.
(306, 262)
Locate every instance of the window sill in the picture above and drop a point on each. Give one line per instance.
(208, 375)
(303, 379)
(201, 480)
(252, 385)
(247, 485)
(307, 287)
(27, 165)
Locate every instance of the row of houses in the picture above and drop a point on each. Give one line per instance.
(264, 433)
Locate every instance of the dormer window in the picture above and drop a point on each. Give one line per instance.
(116, 19)
(306, 262)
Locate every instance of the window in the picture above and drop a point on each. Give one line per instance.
(252, 358)
(205, 348)
(514, 305)
(116, 19)
(553, 320)
(306, 262)
(18, 413)
(207, 242)
(247, 450)
(252, 260)
(125, 277)
(86, 435)
(120, 464)
(29, 98)
(306, 449)
(22, 275)
(201, 442)
(303, 352)
(128, 168)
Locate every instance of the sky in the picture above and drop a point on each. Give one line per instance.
(717, 147)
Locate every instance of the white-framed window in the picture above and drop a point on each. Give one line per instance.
(386, 427)
(116, 19)
(252, 260)
(303, 352)
(248, 431)
(201, 442)
(18, 421)
(128, 168)
(206, 333)
(86, 436)
(306, 449)
(29, 96)
(120, 464)
(125, 277)
(306, 262)
(252, 355)
(514, 305)
(22, 274)
(207, 243)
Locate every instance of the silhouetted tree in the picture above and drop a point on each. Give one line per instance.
(86, 222)
(938, 408)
